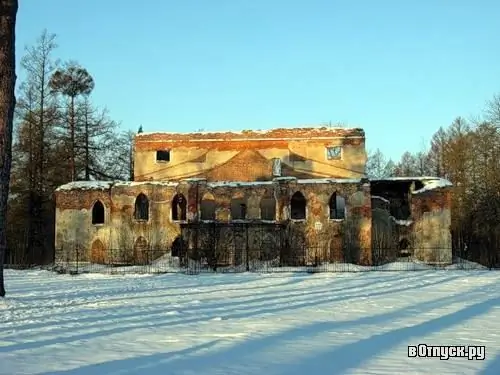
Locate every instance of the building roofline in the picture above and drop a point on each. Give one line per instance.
(316, 133)
(429, 183)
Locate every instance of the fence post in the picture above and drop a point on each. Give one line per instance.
(247, 260)
(66, 269)
(77, 257)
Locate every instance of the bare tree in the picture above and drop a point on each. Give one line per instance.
(8, 15)
(493, 111)
(407, 166)
(436, 153)
(102, 152)
(117, 161)
(36, 114)
(377, 166)
(95, 136)
(72, 81)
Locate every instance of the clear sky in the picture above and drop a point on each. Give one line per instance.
(399, 69)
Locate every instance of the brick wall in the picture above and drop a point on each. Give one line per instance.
(122, 231)
(431, 213)
(248, 156)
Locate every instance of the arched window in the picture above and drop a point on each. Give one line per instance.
(238, 208)
(298, 206)
(207, 207)
(179, 206)
(141, 211)
(337, 207)
(268, 207)
(98, 213)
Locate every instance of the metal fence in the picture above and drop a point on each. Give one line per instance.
(209, 261)
(209, 247)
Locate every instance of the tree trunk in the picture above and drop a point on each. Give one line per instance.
(8, 14)
(40, 242)
(131, 162)
(31, 200)
(72, 138)
(87, 146)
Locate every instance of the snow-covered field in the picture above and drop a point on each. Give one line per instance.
(287, 324)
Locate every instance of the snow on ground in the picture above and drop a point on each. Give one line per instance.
(167, 263)
(224, 324)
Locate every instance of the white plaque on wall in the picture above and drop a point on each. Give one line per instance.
(276, 167)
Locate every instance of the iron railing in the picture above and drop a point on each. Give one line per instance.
(195, 261)
(204, 247)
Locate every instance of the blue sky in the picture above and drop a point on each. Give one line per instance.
(398, 69)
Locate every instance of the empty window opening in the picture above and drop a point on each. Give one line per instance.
(298, 206)
(337, 207)
(207, 207)
(334, 153)
(141, 211)
(397, 193)
(268, 208)
(98, 213)
(163, 155)
(179, 207)
(238, 209)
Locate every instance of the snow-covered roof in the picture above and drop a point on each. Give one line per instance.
(289, 178)
(409, 179)
(433, 184)
(316, 132)
(142, 183)
(380, 198)
(237, 183)
(330, 181)
(86, 185)
(429, 182)
(104, 185)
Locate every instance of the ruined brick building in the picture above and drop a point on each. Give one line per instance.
(293, 196)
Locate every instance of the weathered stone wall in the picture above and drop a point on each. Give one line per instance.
(421, 228)
(364, 234)
(122, 238)
(431, 212)
(158, 232)
(233, 244)
(74, 229)
(317, 238)
(248, 156)
(383, 237)
(121, 235)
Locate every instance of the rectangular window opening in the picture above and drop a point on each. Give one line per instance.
(163, 155)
